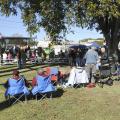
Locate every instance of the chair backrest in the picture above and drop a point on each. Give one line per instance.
(43, 85)
(48, 70)
(80, 69)
(54, 71)
(16, 83)
(42, 82)
(78, 73)
(81, 75)
(16, 87)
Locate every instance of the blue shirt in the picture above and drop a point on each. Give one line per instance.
(91, 57)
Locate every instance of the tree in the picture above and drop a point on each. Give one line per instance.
(104, 15)
(48, 14)
(55, 15)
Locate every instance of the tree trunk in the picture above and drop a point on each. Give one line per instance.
(112, 43)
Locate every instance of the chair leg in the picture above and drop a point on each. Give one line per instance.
(43, 96)
(18, 99)
(9, 99)
(76, 85)
(51, 95)
(25, 98)
(36, 97)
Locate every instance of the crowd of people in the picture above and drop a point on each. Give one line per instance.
(21, 54)
(91, 60)
(94, 60)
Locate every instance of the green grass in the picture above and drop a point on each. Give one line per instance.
(74, 104)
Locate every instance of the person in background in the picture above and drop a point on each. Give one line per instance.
(92, 58)
(23, 57)
(104, 56)
(62, 55)
(72, 57)
(52, 54)
(19, 60)
(15, 50)
(78, 57)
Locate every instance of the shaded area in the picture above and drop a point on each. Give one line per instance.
(79, 46)
(7, 66)
(58, 93)
(13, 67)
(29, 68)
(6, 104)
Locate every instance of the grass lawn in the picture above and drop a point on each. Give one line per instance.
(73, 104)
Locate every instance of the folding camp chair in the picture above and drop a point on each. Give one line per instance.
(43, 87)
(80, 77)
(16, 90)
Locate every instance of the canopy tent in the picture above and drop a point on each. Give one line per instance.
(93, 44)
(78, 46)
(43, 44)
(10, 41)
(14, 38)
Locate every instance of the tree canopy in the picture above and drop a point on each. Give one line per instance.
(56, 15)
(103, 15)
(48, 14)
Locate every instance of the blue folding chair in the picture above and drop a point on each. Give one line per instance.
(16, 89)
(54, 71)
(43, 87)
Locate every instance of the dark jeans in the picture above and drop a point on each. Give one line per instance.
(21, 64)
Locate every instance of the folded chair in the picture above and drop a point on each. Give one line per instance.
(43, 87)
(16, 90)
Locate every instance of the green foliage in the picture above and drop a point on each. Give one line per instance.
(98, 40)
(38, 13)
(104, 16)
(32, 42)
(56, 16)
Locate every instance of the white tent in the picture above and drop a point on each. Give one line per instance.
(58, 48)
(43, 44)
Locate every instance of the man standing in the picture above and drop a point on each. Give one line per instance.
(91, 60)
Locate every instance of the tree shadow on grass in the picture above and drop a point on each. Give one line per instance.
(27, 69)
(6, 104)
(58, 93)
(55, 94)
(12, 101)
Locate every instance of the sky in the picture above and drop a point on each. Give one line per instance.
(14, 25)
